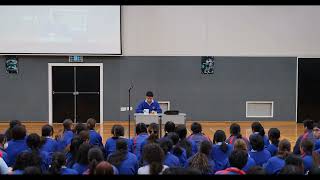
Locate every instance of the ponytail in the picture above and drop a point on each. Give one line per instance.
(200, 161)
(55, 167)
(155, 168)
(92, 166)
(224, 147)
(184, 143)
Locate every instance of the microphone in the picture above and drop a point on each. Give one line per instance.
(131, 87)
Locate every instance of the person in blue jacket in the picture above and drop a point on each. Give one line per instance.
(95, 156)
(177, 149)
(238, 159)
(141, 136)
(316, 134)
(240, 144)
(150, 104)
(49, 144)
(274, 136)
(197, 136)
(12, 124)
(170, 160)
(308, 125)
(189, 145)
(168, 128)
(277, 162)
(125, 161)
(295, 161)
(310, 158)
(95, 138)
(82, 162)
(73, 152)
(3, 147)
(65, 140)
(235, 133)
(118, 132)
(257, 128)
(58, 165)
(220, 150)
(258, 152)
(23, 160)
(17, 144)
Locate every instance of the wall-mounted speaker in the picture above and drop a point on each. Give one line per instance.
(11, 64)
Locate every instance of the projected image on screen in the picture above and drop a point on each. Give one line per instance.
(60, 29)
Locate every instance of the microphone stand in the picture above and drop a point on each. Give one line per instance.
(129, 109)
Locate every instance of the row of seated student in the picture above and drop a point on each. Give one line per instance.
(79, 150)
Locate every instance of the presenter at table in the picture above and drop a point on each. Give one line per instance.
(149, 105)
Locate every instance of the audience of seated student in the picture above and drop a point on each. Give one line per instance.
(257, 128)
(12, 124)
(181, 171)
(277, 162)
(310, 158)
(67, 135)
(235, 133)
(237, 159)
(103, 168)
(82, 162)
(95, 138)
(125, 161)
(49, 144)
(141, 136)
(17, 144)
(295, 161)
(256, 170)
(32, 170)
(177, 149)
(258, 152)
(170, 160)
(153, 132)
(3, 147)
(58, 165)
(274, 136)
(95, 156)
(240, 144)
(308, 125)
(154, 156)
(71, 155)
(188, 145)
(316, 134)
(202, 160)
(220, 151)
(197, 136)
(117, 132)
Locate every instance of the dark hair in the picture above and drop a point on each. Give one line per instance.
(181, 130)
(196, 128)
(153, 131)
(308, 123)
(256, 170)
(308, 146)
(296, 161)
(47, 130)
(154, 156)
(84, 135)
(22, 161)
(235, 130)
(181, 171)
(91, 123)
(284, 149)
(95, 155)
(200, 160)
(32, 170)
(274, 135)
(58, 160)
(3, 138)
(33, 141)
(316, 124)
(117, 130)
(141, 128)
(19, 132)
(291, 170)
(220, 136)
(12, 124)
(169, 127)
(238, 158)
(256, 142)
(257, 127)
(67, 124)
(80, 127)
(166, 145)
(149, 94)
(103, 168)
(122, 150)
(82, 156)
(76, 142)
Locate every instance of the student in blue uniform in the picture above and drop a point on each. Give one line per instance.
(258, 151)
(316, 134)
(295, 161)
(274, 136)
(235, 133)
(177, 149)
(95, 138)
(149, 103)
(65, 140)
(95, 156)
(276, 163)
(197, 136)
(169, 127)
(82, 162)
(58, 165)
(3, 147)
(310, 158)
(49, 144)
(125, 161)
(141, 136)
(201, 160)
(237, 159)
(17, 144)
(189, 145)
(170, 160)
(12, 124)
(23, 160)
(257, 128)
(239, 144)
(308, 125)
(71, 155)
(118, 132)
(220, 150)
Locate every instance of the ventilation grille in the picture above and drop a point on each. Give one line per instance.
(259, 109)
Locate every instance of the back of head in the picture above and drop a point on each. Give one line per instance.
(33, 141)
(95, 156)
(308, 123)
(284, 148)
(154, 156)
(19, 132)
(14, 123)
(141, 128)
(291, 170)
(84, 135)
(220, 137)
(47, 130)
(169, 127)
(32, 170)
(82, 157)
(153, 131)
(117, 157)
(67, 123)
(181, 171)
(274, 135)
(200, 160)
(3, 138)
(166, 145)
(235, 130)
(239, 144)
(22, 161)
(196, 128)
(117, 130)
(205, 147)
(174, 137)
(181, 130)
(307, 146)
(76, 141)
(58, 160)
(80, 127)
(256, 142)
(256, 170)
(91, 123)
(103, 168)
(296, 161)
(257, 127)
(238, 159)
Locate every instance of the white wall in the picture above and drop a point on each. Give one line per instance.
(221, 30)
